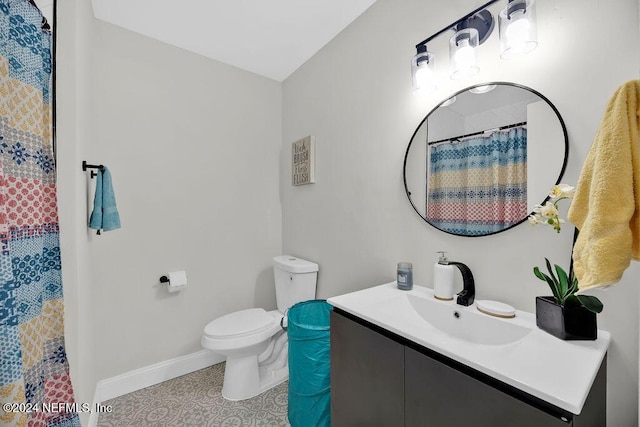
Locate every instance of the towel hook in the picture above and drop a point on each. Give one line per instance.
(86, 166)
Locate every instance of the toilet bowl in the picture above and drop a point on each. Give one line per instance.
(253, 340)
(246, 338)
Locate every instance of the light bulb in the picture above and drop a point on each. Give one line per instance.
(424, 79)
(423, 75)
(518, 32)
(462, 53)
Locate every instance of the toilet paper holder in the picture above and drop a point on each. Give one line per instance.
(175, 281)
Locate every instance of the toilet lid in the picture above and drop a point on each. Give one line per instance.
(239, 323)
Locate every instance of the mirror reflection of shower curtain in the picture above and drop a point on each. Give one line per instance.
(479, 185)
(34, 371)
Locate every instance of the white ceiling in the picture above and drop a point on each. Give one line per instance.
(271, 38)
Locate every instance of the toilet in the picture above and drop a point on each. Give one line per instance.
(253, 340)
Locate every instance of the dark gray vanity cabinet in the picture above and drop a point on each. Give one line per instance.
(447, 397)
(367, 376)
(381, 379)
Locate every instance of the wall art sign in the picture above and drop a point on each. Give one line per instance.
(303, 161)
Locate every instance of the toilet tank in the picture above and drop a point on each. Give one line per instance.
(295, 280)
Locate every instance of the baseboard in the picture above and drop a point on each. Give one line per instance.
(129, 382)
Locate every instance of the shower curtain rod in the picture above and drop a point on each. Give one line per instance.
(45, 24)
(477, 133)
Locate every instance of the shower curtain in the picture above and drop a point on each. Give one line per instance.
(35, 388)
(479, 185)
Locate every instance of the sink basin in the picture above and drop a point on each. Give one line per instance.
(466, 323)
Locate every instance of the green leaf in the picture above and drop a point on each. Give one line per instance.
(572, 301)
(555, 279)
(538, 274)
(552, 284)
(563, 282)
(574, 284)
(591, 303)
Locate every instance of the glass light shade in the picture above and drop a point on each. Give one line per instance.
(482, 89)
(518, 33)
(423, 73)
(462, 53)
(448, 102)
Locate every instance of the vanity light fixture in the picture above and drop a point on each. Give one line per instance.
(517, 23)
(518, 33)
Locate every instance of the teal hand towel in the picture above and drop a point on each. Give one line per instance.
(105, 214)
(95, 221)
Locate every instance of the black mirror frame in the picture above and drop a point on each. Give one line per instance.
(562, 170)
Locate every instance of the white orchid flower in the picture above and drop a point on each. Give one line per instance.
(549, 210)
(562, 191)
(536, 219)
(547, 214)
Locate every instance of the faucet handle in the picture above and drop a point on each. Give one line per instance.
(443, 257)
(468, 294)
(464, 298)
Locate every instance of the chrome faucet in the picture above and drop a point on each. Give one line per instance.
(468, 293)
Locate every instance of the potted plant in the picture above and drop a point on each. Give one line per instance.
(565, 315)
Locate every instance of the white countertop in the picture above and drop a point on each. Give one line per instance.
(557, 371)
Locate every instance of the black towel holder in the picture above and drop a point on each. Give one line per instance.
(86, 166)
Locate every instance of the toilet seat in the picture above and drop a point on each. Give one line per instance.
(240, 323)
(241, 329)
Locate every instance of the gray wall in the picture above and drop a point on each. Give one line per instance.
(355, 97)
(193, 146)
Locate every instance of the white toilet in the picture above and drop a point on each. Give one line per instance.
(253, 340)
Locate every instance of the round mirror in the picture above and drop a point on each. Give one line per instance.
(484, 157)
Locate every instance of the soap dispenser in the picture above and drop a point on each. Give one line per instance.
(443, 278)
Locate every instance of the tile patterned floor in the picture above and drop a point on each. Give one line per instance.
(195, 400)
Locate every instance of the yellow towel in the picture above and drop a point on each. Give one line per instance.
(606, 206)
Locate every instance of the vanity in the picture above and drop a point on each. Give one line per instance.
(403, 358)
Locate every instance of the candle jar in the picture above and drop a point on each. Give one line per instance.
(405, 276)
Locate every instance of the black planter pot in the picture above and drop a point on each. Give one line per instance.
(565, 322)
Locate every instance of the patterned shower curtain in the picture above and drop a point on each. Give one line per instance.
(479, 185)
(35, 388)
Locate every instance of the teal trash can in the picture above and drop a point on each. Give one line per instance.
(309, 364)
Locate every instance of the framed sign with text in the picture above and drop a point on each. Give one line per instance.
(303, 161)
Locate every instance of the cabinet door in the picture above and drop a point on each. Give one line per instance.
(367, 376)
(438, 395)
